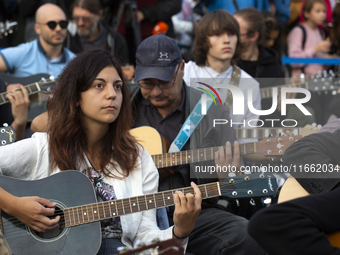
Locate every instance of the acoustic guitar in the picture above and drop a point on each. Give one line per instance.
(79, 230)
(156, 144)
(290, 190)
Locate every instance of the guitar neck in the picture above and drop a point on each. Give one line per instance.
(110, 209)
(194, 156)
(32, 88)
(268, 91)
(259, 133)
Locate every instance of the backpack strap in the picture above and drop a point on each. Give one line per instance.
(235, 80)
(303, 36)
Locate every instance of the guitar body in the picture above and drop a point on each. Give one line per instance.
(154, 143)
(67, 189)
(292, 190)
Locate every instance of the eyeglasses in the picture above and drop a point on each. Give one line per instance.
(53, 24)
(85, 19)
(162, 84)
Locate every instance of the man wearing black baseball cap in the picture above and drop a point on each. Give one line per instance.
(163, 101)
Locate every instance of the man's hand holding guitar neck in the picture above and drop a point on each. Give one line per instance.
(18, 96)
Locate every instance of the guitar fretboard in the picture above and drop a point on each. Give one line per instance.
(31, 88)
(111, 209)
(268, 91)
(260, 133)
(193, 156)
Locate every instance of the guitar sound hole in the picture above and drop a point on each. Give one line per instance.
(56, 231)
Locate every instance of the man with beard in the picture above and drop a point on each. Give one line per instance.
(88, 32)
(44, 55)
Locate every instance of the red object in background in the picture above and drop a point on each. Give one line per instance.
(161, 27)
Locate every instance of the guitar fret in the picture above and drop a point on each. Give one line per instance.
(206, 192)
(82, 214)
(98, 212)
(180, 154)
(74, 217)
(123, 207)
(154, 200)
(146, 202)
(130, 205)
(78, 216)
(69, 214)
(92, 212)
(254, 133)
(138, 204)
(163, 199)
(103, 205)
(88, 216)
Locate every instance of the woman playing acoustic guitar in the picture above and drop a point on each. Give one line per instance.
(90, 117)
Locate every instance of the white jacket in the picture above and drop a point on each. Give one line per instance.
(28, 159)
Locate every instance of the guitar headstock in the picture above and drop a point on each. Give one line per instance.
(7, 28)
(46, 85)
(7, 135)
(250, 185)
(324, 83)
(275, 146)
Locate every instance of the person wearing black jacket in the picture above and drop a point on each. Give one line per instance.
(300, 226)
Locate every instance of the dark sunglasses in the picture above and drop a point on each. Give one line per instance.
(53, 24)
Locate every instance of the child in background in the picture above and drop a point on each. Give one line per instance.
(315, 45)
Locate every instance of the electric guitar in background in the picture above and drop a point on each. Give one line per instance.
(79, 230)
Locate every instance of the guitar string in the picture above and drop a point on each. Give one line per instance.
(14, 222)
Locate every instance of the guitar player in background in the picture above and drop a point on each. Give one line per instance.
(163, 101)
(15, 113)
(301, 226)
(44, 55)
(90, 117)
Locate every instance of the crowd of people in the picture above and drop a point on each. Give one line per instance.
(118, 67)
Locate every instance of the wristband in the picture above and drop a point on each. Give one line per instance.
(173, 232)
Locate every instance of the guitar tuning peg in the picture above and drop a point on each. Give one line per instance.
(281, 134)
(267, 201)
(272, 159)
(319, 126)
(43, 79)
(237, 202)
(325, 73)
(51, 77)
(314, 124)
(331, 73)
(281, 160)
(270, 135)
(252, 202)
(5, 124)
